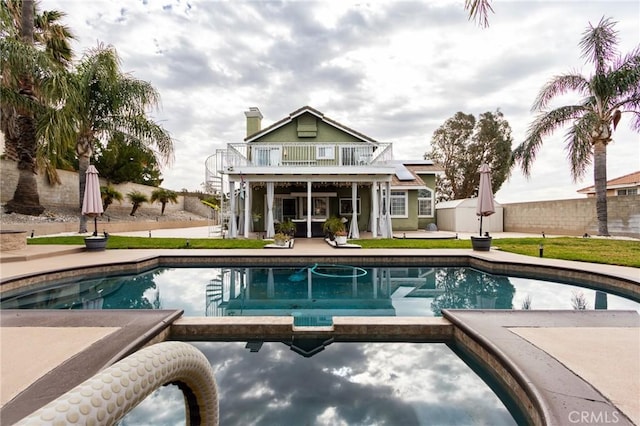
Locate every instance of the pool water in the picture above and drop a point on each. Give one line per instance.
(314, 294)
(345, 384)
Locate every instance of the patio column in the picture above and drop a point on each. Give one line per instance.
(270, 228)
(354, 232)
(309, 212)
(374, 209)
(232, 210)
(248, 222)
(387, 218)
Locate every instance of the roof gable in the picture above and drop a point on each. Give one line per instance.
(303, 124)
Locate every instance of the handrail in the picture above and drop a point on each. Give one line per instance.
(110, 394)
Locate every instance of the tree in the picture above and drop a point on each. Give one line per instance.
(163, 196)
(120, 162)
(109, 194)
(44, 60)
(105, 103)
(462, 144)
(26, 199)
(613, 90)
(136, 198)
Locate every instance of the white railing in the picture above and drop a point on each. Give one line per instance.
(306, 154)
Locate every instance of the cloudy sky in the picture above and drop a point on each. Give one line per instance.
(394, 70)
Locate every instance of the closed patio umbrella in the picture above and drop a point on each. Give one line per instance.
(92, 201)
(485, 206)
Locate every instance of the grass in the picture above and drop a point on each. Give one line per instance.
(119, 242)
(594, 250)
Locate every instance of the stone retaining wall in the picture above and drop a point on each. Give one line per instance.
(66, 194)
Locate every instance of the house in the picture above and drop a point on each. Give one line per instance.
(623, 185)
(308, 167)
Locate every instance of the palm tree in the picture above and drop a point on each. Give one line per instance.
(136, 198)
(50, 37)
(109, 194)
(613, 90)
(163, 196)
(105, 103)
(25, 198)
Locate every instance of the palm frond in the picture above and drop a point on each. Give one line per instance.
(543, 125)
(557, 86)
(479, 11)
(579, 145)
(599, 43)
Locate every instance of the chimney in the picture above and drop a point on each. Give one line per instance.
(254, 120)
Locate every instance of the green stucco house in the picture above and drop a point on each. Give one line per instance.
(308, 167)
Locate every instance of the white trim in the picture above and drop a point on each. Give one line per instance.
(406, 204)
(433, 204)
(329, 152)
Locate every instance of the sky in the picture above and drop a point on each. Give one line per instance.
(393, 70)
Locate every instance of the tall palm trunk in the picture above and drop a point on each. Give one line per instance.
(26, 199)
(600, 180)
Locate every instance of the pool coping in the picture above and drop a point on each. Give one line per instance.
(472, 337)
(135, 329)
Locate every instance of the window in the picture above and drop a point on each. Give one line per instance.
(630, 191)
(266, 156)
(318, 205)
(345, 206)
(425, 203)
(325, 153)
(398, 204)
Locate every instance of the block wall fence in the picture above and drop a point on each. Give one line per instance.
(560, 217)
(574, 216)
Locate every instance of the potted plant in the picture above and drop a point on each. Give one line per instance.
(287, 227)
(341, 237)
(335, 227)
(281, 239)
(255, 216)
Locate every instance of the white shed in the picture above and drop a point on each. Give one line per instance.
(460, 216)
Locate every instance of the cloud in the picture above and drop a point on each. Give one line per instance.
(392, 70)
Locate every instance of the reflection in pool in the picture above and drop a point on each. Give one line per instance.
(346, 384)
(313, 295)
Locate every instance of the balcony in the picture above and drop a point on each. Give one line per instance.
(306, 155)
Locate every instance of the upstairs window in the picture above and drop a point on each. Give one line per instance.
(325, 152)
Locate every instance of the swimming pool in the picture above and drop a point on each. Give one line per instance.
(350, 383)
(313, 294)
(214, 291)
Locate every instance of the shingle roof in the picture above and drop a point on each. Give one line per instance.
(318, 114)
(631, 179)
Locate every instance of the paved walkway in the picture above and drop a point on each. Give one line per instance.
(608, 358)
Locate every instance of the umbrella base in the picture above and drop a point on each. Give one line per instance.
(481, 243)
(95, 243)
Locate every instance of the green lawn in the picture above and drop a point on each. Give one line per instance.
(595, 250)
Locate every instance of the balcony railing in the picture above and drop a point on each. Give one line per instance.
(307, 155)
